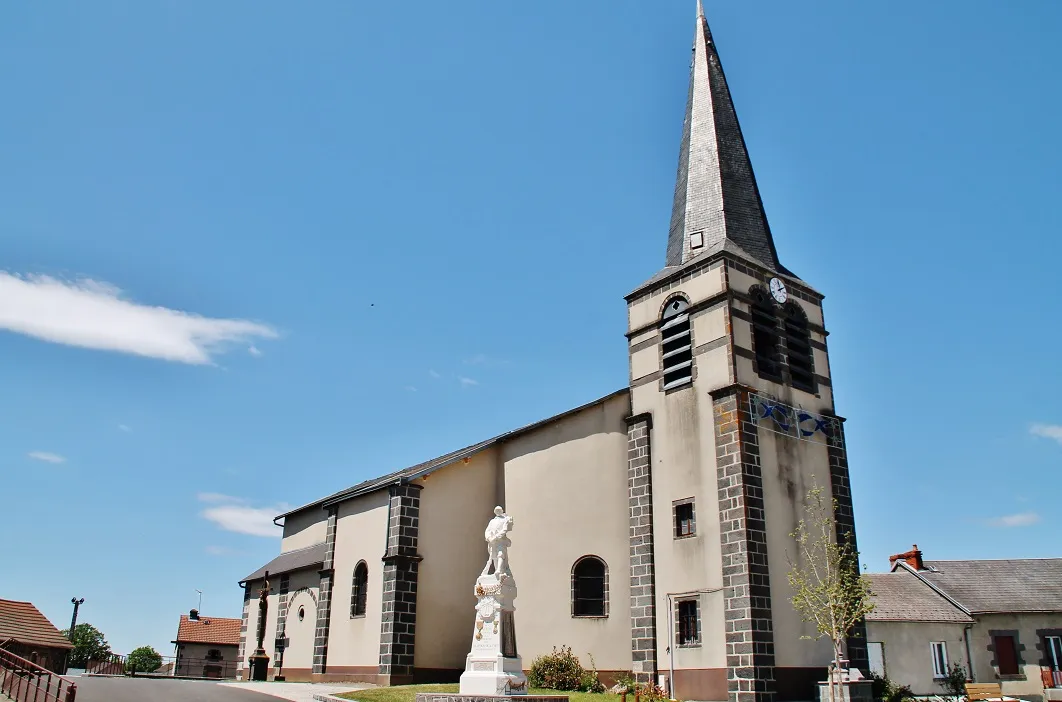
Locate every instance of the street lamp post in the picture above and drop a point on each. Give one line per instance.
(73, 620)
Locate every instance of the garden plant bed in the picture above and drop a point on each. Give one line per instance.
(408, 693)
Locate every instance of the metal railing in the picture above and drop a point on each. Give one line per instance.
(25, 681)
(1051, 678)
(111, 665)
(216, 668)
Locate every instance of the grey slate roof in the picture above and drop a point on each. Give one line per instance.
(427, 467)
(1017, 585)
(900, 596)
(308, 557)
(715, 188)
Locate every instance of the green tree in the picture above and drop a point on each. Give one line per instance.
(828, 590)
(89, 644)
(143, 660)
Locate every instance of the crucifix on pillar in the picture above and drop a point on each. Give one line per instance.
(259, 660)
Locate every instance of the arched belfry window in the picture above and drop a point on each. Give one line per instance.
(798, 348)
(676, 343)
(589, 587)
(765, 334)
(359, 591)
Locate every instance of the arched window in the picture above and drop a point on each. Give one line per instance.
(798, 348)
(358, 593)
(765, 334)
(676, 344)
(589, 587)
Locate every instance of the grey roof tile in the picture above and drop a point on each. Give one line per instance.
(900, 596)
(1015, 585)
(289, 561)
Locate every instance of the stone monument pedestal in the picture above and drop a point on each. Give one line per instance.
(492, 667)
(259, 664)
(852, 687)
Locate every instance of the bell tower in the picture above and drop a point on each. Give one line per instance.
(733, 421)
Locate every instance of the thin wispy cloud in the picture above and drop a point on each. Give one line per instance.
(1016, 520)
(124, 427)
(237, 515)
(482, 359)
(467, 382)
(219, 551)
(434, 373)
(1047, 431)
(94, 315)
(47, 457)
(254, 350)
(410, 388)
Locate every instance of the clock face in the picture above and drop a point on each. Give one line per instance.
(778, 291)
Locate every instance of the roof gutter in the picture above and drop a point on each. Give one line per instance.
(932, 586)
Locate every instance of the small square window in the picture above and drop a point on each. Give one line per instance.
(696, 240)
(689, 625)
(685, 519)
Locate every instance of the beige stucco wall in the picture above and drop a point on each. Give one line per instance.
(455, 505)
(303, 592)
(647, 310)
(790, 468)
(1029, 653)
(304, 528)
(908, 658)
(361, 533)
(565, 485)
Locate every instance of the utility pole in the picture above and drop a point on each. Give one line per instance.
(73, 620)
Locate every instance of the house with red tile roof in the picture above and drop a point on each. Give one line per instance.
(26, 632)
(207, 647)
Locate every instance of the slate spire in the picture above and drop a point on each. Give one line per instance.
(716, 198)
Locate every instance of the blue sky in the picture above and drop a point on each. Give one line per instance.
(255, 253)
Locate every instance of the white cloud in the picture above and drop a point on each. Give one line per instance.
(234, 514)
(1047, 431)
(217, 497)
(410, 388)
(219, 551)
(433, 373)
(46, 457)
(254, 350)
(1016, 520)
(124, 427)
(92, 314)
(467, 381)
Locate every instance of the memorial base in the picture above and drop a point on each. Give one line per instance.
(259, 665)
(463, 697)
(493, 677)
(847, 691)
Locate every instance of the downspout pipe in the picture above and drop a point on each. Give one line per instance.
(969, 660)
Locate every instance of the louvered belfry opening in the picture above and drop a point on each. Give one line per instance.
(677, 344)
(765, 335)
(798, 347)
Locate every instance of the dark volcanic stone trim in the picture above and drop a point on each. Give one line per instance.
(841, 489)
(242, 653)
(643, 583)
(743, 537)
(282, 618)
(400, 571)
(324, 596)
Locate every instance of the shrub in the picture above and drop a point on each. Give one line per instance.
(626, 683)
(559, 670)
(589, 681)
(885, 690)
(954, 682)
(652, 693)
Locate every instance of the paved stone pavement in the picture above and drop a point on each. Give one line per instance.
(155, 690)
(296, 692)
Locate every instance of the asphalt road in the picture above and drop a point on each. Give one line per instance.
(142, 690)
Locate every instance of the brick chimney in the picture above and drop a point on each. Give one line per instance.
(913, 558)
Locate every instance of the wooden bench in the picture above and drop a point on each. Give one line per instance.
(983, 691)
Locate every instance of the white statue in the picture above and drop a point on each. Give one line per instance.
(493, 666)
(497, 542)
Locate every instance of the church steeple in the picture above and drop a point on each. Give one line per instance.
(716, 198)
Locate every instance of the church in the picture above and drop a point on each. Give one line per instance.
(651, 526)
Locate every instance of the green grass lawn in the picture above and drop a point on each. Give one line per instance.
(407, 693)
